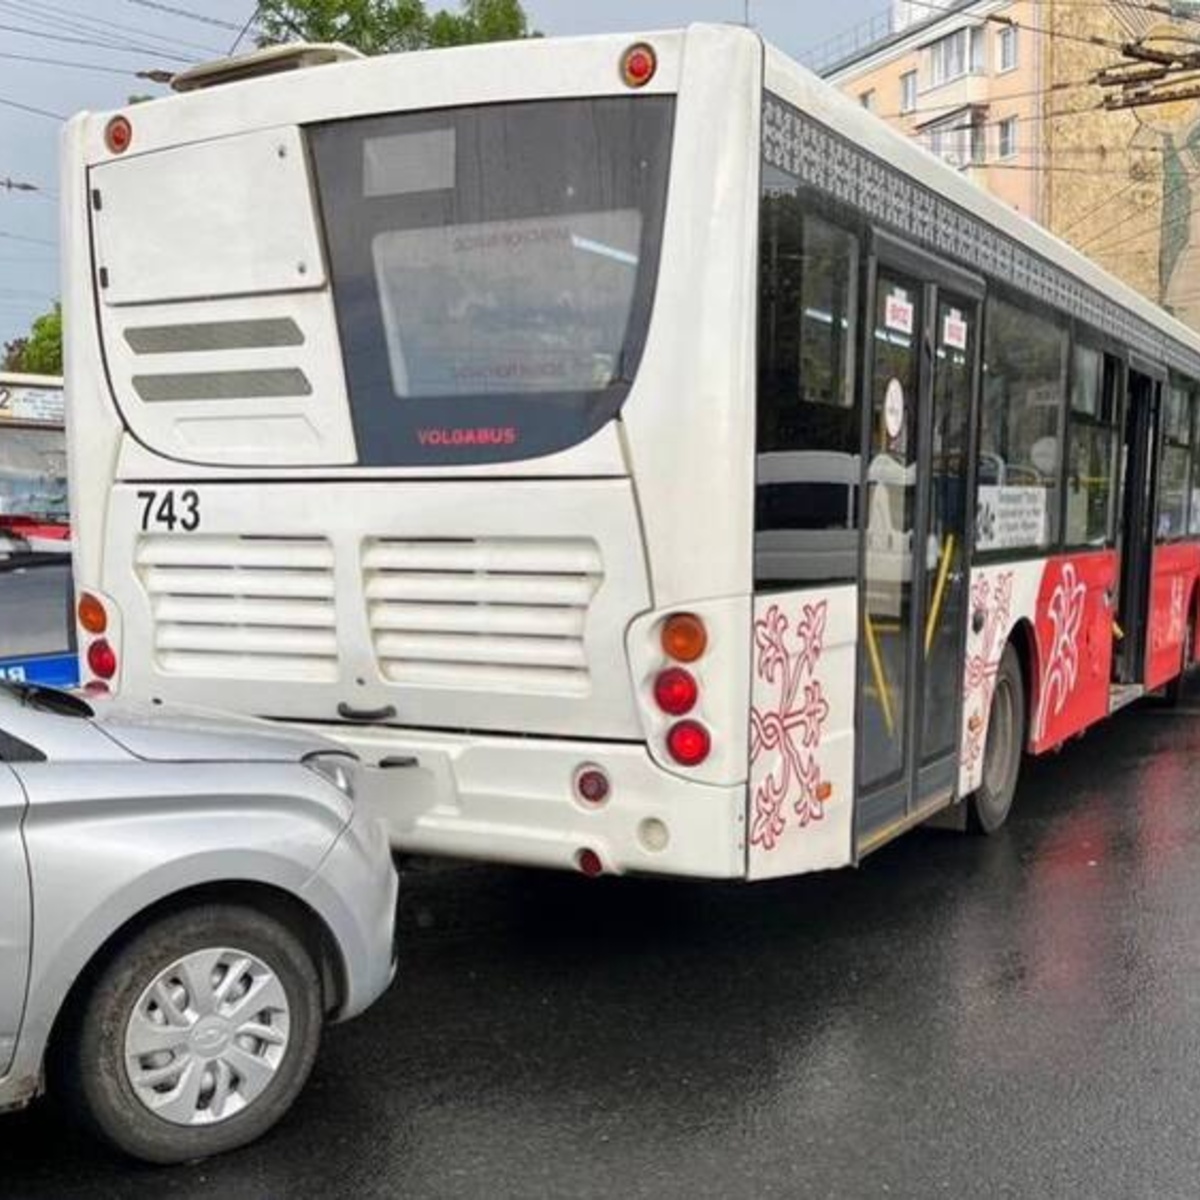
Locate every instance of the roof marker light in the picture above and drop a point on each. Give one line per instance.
(638, 65)
(118, 134)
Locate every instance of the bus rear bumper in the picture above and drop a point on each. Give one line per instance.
(509, 799)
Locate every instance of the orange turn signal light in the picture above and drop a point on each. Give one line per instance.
(684, 637)
(91, 614)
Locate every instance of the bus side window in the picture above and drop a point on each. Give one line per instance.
(1092, 444)
(809, 427)
(1174, 478)
(1020, 460)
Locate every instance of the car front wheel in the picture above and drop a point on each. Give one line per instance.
(197, 1035)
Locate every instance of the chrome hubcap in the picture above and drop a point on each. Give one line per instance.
(206, 1038)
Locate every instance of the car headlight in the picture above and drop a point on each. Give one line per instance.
(334, 768)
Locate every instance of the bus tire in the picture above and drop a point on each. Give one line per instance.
(989, 805)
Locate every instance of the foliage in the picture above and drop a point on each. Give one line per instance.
(383, 26)
(41, 352)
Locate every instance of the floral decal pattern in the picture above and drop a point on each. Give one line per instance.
(1176, 628)
(786, 734)
(1065, 614)
(994, 600)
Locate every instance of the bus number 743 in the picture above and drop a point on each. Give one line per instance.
(166, 510)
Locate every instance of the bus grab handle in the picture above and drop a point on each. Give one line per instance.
(348, 713)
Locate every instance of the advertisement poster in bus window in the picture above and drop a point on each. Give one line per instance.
(1010, 517)
(32, 404)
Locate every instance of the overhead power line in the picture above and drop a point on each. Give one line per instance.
(237, 41)
(57, 19)
(189, 14)
(104, 45)
(32, 109)
(21, 237)
(62, 62)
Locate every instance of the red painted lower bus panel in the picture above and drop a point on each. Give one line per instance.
(1075, 646)
(1172, 601)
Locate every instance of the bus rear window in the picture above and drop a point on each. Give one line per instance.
(493, 270)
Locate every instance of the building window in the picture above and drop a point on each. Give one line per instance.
(1008, 137)
(1008, 48)
(908, 92)
(959, 140)
(955, 55)
(867, 100)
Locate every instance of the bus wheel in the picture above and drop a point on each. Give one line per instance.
(988, 807)
(1174, 690)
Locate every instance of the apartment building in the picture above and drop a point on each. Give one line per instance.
(963, 82)
(1005, 92)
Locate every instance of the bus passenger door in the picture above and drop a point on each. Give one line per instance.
(1135, 537)
(921, 375)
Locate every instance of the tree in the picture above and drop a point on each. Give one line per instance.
(383, 26)
(41, 352)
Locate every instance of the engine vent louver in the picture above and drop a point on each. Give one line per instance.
(499, 614)
(242, 607)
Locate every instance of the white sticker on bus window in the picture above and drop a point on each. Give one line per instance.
(954, 330)
(1009, 517)
(893, 409)
(898, 312)
(403, 164)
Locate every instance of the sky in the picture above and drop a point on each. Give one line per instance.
(139, 34)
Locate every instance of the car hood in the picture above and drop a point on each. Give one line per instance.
(178, 733)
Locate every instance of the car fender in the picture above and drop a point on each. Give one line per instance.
(94, 875)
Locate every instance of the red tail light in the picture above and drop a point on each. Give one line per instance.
(689, 743)
(102, 659)
(676, 691)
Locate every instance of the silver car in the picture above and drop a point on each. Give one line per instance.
(184, 900)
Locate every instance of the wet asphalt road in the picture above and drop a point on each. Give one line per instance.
(1015, 1016)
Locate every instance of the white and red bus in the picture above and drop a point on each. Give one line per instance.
(688, 473)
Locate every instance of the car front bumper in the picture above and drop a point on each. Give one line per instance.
(355, 889)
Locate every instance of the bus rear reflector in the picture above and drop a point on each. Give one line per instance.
(689, 743)
(588, 861)
(118, 134)
(102, 659)
(592, 785)
(91, 614)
